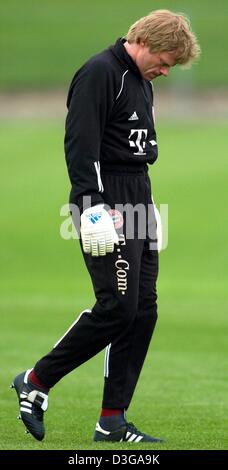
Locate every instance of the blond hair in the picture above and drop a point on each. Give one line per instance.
(165, 31)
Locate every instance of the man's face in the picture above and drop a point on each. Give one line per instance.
(154, 64)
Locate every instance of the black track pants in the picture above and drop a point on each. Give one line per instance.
(124, 315)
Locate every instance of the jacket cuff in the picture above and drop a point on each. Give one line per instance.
(87, 200)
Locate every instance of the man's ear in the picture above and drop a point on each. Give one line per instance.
(141, 42)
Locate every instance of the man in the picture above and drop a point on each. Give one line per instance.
(110, 140)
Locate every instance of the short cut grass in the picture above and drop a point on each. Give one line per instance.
(165, 31)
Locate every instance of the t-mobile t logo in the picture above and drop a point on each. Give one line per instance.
(139, 140)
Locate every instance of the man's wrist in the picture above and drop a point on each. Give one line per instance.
(89, 200)
(97, 208)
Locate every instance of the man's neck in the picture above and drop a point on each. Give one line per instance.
(132, 50)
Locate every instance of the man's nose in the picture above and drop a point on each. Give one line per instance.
(164, 71)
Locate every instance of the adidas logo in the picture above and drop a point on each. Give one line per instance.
(134, 117)
(129, 437)
(94, 217)
(132, 437)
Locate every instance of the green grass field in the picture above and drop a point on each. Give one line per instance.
(182, 393)
(43, 43)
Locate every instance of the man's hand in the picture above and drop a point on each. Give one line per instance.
(97, 231)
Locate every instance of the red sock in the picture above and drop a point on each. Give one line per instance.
(33, 378)
(111, 411)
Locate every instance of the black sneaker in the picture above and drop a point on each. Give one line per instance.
(32, 404)
(125, 433)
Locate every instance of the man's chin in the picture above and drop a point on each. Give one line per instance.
(150, 76)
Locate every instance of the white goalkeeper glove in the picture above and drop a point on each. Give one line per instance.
(97, 231)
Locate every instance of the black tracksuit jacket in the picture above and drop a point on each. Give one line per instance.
(110, 121)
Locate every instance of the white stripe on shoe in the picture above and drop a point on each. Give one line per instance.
(139, 438)
(26, 410)
(133, 437)
(26, 403)
(26, 375)
(100, 429)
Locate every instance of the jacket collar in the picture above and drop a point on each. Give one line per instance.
(120, 52)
